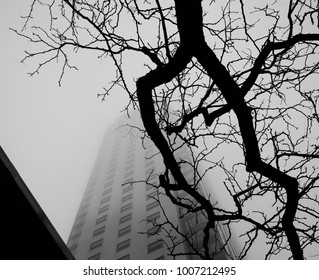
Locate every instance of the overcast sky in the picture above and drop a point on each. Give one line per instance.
(50, 133)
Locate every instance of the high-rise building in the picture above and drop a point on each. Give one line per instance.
(123, 212)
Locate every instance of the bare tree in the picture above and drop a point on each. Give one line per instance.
(233, 80)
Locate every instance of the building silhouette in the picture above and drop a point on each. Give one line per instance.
(123, 212)
(26, 229)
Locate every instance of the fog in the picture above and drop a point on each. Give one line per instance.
(50, 133)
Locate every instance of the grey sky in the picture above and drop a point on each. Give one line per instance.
(51, 133)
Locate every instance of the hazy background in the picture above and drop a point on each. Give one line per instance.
(50, 133)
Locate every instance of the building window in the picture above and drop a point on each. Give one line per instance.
(106, 199)
(149, 163)
(130, 173)
(82, 215)
(123, 245)
(95, 257)
(127, 197)
(78, 225)
(156, 245)
(125, 218)
(99, 231)
(91, 183)
(151, 195)
(108, 184)
(111, 170)
(129, 161)
(86, 198)
(75, 235)
(73, 247)
(110, 177)
(125, 257)
(107, 191)
(84, 206)
(149, 186)
(126, 207)
(75, 230)
(88, 191)
(96, 244)
(101, 219)
(129, 166)
(124, 231)
(104, 208)
(152, 205)
(153, 231)
(152, 218)
(113, 160)
(128, 188)
(151, 178)
(129, 180)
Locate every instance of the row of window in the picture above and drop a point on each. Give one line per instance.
(107, 191)
(88, 191)
(111, 170)
(129, 173)
(126, 230)
(153, 217)
(126, 207)
(129, 161)
(86, 198)
(127, 197)
(109, 177)
(101, 219)
(152, 247)
(108, 184)
(129, 168)
(91, 183)
(99, 231)
(151, 205)
(123, 245)
(128, 188)
(113, 159)
(130, 165)
(151, 195)
(96, 244)
(128, 180)
(149, 163)
(81, 215)
(75, 235)
(105, 199)
(130, 156)
(126, 218)
(104, 209)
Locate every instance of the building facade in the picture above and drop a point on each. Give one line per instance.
(123, 212)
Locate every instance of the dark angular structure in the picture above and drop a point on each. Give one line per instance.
(26, 232)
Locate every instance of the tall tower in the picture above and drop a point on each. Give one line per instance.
(122, 214)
